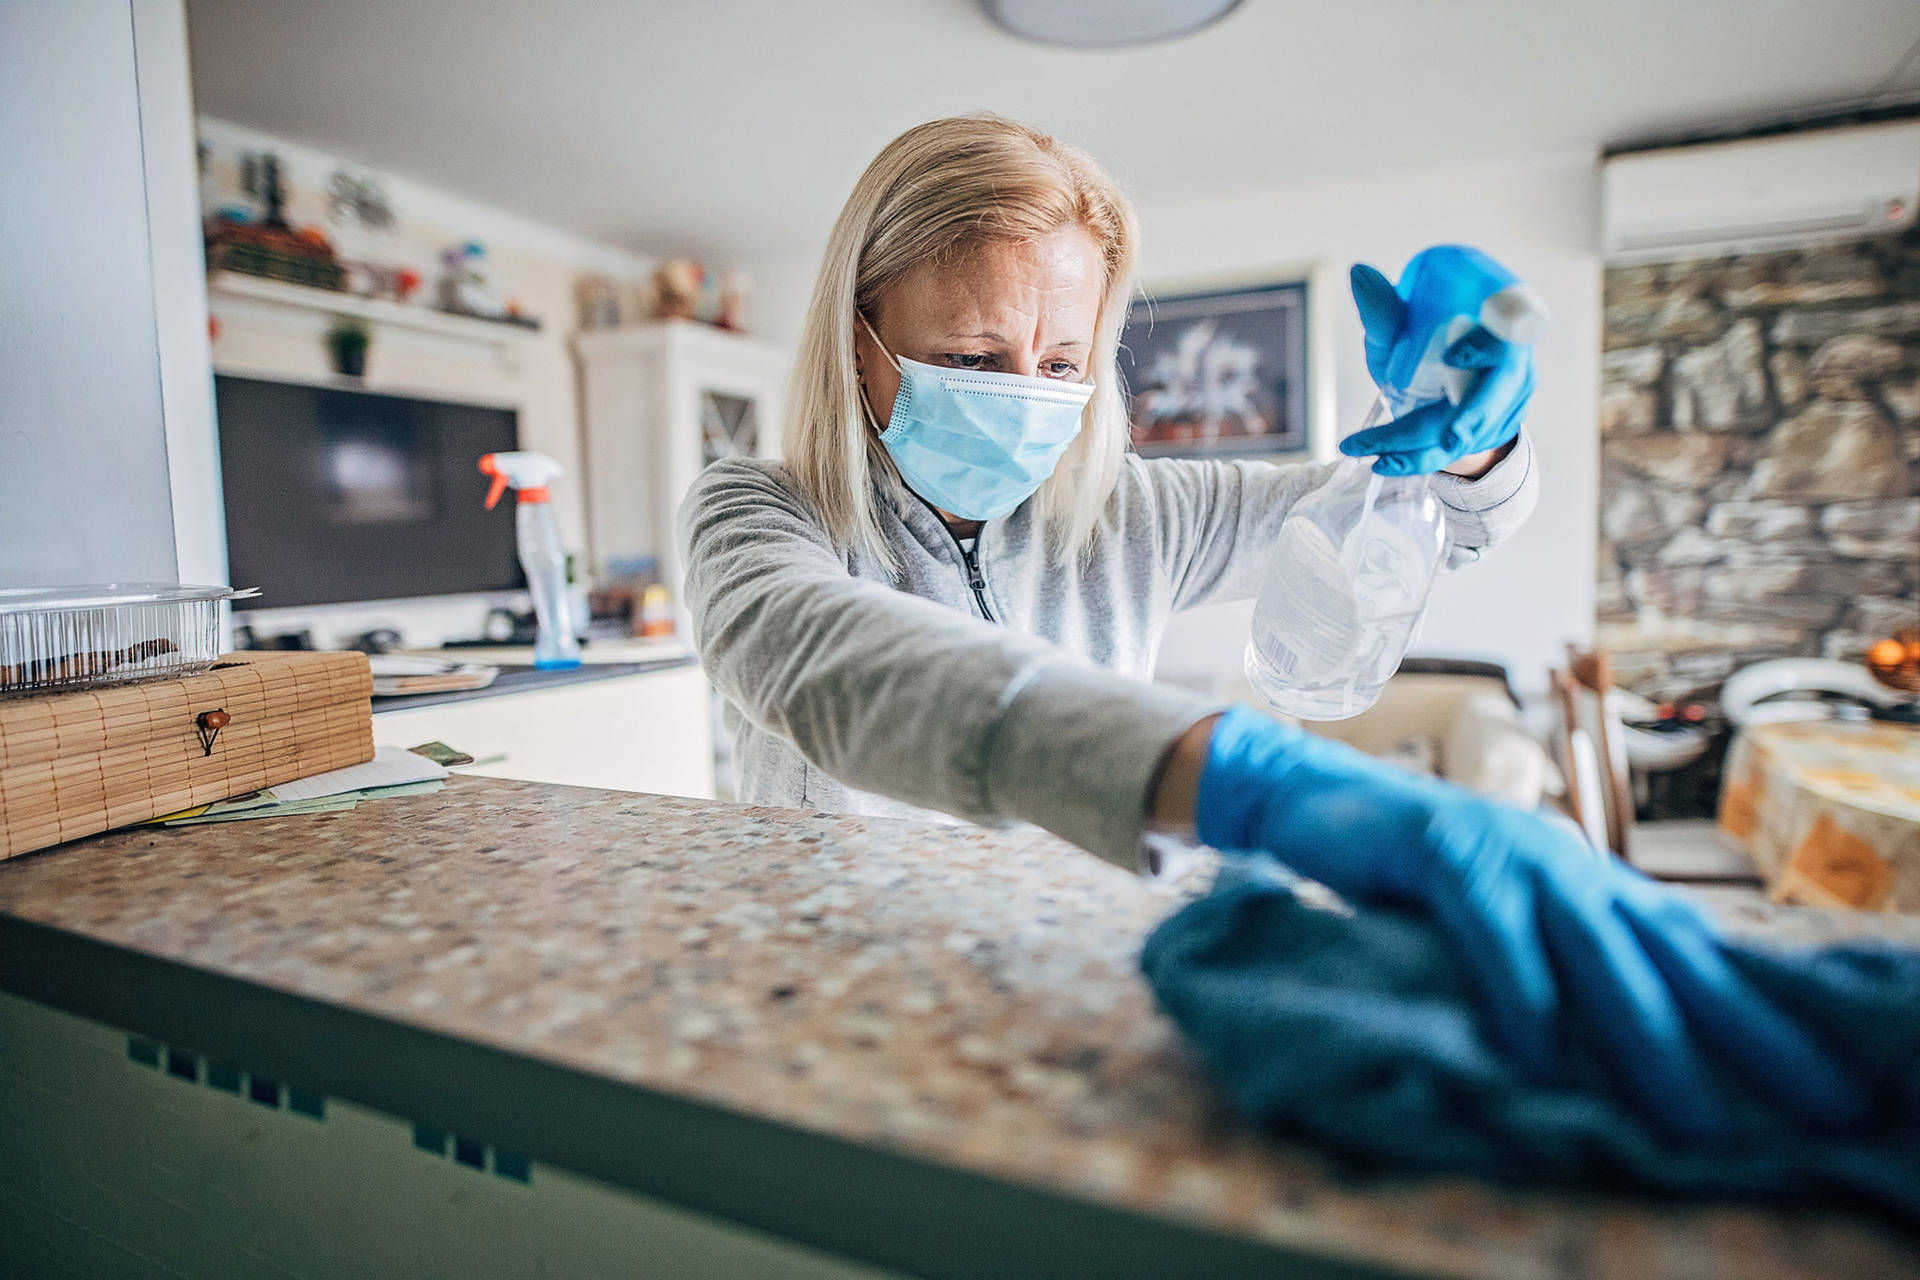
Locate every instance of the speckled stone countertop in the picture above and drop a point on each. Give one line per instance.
(965, 997)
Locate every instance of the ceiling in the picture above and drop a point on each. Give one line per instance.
(734, 128)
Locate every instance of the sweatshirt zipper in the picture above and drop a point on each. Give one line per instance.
(976, 577)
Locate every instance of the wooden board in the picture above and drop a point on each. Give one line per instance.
(72, 764)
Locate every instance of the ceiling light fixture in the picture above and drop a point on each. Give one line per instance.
(1105, 24)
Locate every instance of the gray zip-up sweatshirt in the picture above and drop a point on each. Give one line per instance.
(1002, 685)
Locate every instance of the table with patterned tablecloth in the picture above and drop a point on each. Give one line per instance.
(1830, 811)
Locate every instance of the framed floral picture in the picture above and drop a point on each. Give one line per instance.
(1221, 372)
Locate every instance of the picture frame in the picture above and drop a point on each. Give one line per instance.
(1231, 366)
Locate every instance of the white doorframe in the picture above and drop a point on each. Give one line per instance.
(167, 139)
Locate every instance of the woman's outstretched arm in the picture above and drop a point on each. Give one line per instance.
(908, 698)
(1215, 521)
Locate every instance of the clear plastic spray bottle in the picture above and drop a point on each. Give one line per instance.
(1353, 566)
(1357, 557)
(541, 555)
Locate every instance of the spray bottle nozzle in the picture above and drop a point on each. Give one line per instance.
(522, 469)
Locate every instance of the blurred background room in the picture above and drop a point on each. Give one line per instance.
(602, 221)
(274, 276)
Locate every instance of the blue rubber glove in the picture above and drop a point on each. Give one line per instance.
(1451, 348)
(1556, 937)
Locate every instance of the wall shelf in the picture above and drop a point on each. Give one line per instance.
(257, 292)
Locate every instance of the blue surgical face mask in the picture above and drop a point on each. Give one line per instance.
(978, 444)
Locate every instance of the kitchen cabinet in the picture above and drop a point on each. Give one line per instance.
(659, 402)
(638, 730)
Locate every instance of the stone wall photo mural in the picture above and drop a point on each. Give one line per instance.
(1760, 465)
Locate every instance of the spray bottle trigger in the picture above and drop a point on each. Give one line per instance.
(489, 467)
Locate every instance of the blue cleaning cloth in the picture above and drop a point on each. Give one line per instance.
(1358, 1030)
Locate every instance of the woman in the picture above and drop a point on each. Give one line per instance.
(950, 596)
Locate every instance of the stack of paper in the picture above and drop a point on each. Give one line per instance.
(391, 772)
(399, 676)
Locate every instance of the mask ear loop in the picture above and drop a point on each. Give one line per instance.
(873, 419)
(868, 324)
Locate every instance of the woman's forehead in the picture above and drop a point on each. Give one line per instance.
(1003, 282)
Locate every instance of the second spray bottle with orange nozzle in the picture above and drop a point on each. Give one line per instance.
(541, 554)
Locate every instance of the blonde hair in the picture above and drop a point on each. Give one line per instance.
(936, 190)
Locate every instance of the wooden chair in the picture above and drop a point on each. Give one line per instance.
(1579, 762)
(1591, 675)
(1600, 787)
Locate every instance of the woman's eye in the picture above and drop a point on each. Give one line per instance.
(1060, 369)
(960, 360)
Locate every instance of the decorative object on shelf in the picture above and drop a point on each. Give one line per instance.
(260, 177)
(598, 298)
(467, 287)
(681, 289)
(269, 246)
(656, 612)
(708, 303)
(676, 290)
(734, 294)
(466, 283)
(623, 590)
(1895, 662)
(258, 249)
(347, 343)
(357, 199)
(1219, 373)
(371, 280)
(363, 225)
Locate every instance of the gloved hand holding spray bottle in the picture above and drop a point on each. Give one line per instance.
(1450, 349)
(541, 554)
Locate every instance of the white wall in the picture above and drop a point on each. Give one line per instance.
(84, 486)
(1540, 217)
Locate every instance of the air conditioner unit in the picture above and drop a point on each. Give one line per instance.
(1764, 193)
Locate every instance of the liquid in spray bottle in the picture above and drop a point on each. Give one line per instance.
(1357, 557)
(1352, 569)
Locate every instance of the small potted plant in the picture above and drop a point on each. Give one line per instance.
(347, 343)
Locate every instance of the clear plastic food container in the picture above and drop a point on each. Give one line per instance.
(59, 638)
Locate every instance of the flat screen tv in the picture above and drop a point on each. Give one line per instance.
(335, 496)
